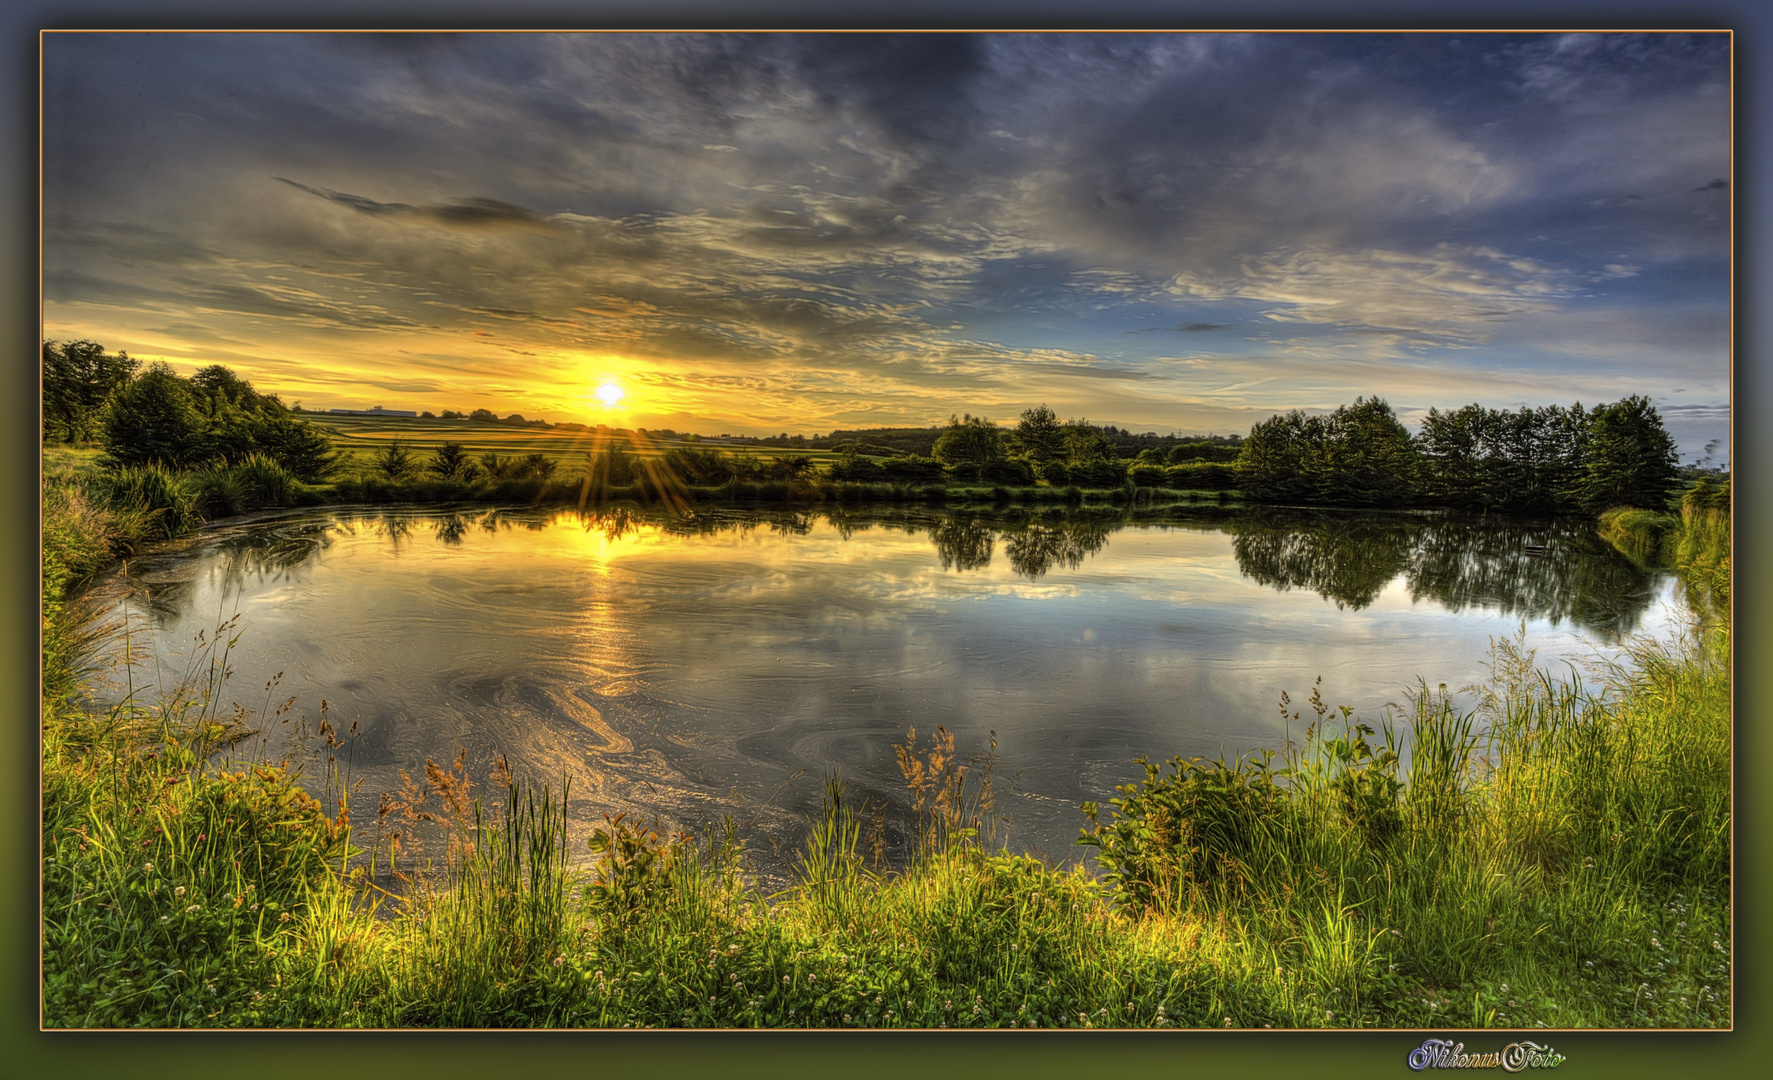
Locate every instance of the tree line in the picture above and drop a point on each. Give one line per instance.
(1543, 460)
(144, 415)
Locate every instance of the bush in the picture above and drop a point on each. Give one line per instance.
(155, 491)
(395, 462)
(265, 481)
(854, 468)
(911, 469)
(451, 462)
(1017, 470)
(1099, 474)
(1196, 825)
(1201, 476)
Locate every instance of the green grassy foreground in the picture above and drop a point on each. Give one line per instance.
(1556, 859)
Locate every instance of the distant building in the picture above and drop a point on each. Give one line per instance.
(377, 411)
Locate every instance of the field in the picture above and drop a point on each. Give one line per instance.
(360, 437)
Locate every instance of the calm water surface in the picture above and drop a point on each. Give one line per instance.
(685, 669)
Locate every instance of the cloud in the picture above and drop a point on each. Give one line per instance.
(892, 224)
(474, 213)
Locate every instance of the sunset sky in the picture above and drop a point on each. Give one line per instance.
(756, 233)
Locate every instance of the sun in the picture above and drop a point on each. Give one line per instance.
(609, 393)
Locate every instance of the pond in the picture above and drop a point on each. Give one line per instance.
(680, 669)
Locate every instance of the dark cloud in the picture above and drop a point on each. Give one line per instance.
(465, 213)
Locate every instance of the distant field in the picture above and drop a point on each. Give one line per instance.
(362, 436)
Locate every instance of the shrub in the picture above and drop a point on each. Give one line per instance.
(394, 461)
(1196, 825)
(1099, 474)
(155, 491)
(452, 462)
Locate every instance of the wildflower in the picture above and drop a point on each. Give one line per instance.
(283, 916)
(785, 978)
(163, 918)
(192, 908)
(559, 960)
(846, 1018)
(180, 891)
(147, 868)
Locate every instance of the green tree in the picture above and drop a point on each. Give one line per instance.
(1370, 459)
(79, 377)
(1086, 445)
(969, 441)
(394, 461)
(1630, 458)
(1272, 463)
(1040, 435)
(154, 418)
(451, 461)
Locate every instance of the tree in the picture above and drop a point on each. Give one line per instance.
(452, 462)
(1040, 435)
(394, 462)
(1272, 463)
(1371, 460)
(1085, 444)
(970, 440)
(155, 419)
(78, 378)
(1630, 458)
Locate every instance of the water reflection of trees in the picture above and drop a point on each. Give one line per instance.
(1038, 546)
(270, 554)
(1347, 558)
(963, 543)
(1551, 569)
